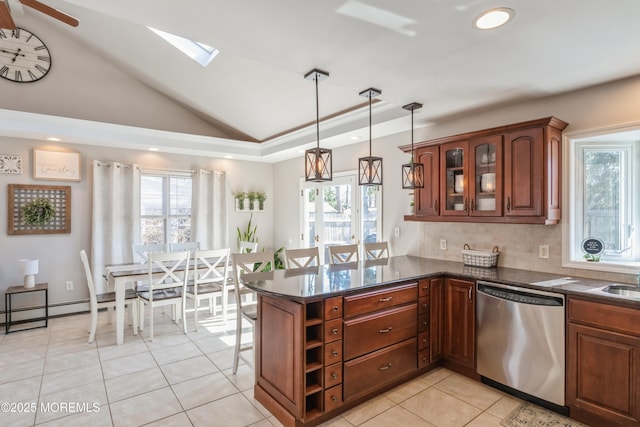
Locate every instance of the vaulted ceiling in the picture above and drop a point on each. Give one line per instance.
(413, 50)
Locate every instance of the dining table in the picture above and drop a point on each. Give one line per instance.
(117, 276)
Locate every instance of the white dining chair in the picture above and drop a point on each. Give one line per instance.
(342, 254)
(376, 250)
(184, 246)
(106, 300)
(302, 258)
(210, 279)
(247, 247)
(168, 275)
(141, 252)
(243, 266)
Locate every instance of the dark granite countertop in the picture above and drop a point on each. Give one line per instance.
(328, 280)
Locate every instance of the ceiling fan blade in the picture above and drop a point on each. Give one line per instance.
(54, 13)
(6, 21)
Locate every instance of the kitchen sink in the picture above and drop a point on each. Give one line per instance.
(623, 291)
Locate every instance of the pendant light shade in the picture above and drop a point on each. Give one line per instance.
(318, 165)
(370, 168)
(412, 172)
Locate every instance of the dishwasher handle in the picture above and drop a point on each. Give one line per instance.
(520, 296)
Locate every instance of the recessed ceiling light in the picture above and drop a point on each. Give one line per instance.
(154, 149)
(354, 138)
(493, 18)
(53, 138)
(228, 156)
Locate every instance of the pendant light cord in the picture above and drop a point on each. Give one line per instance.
(317, 114)
(412, 152)
(370, 96)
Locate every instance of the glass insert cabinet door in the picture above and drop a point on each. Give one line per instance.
(455, 175)
(486, 185)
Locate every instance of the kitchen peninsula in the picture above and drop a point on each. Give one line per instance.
(329, 337)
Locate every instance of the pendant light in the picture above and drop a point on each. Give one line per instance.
(370, 168)
(412, 172)
(318, 165)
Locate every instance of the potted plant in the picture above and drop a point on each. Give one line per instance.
(252, 196)
(261, 198)
(249, 234)
(240, 196)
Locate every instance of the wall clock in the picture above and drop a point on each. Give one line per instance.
(24, 58)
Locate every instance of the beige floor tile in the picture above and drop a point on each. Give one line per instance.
(338, 421)
(177, 420)
(114, 351)
(201, 390)
(22, 355)
(503, 407)
(216, 343)
(222, 359)
(175, 353)
(88, 398)
(99, 417)
(485, 420)
(141, 382)
(396, 416)
(17, 419)
(406, 390)
(244, 379)
(248, 394)
(235, 410)
(145, 408)
(188, 369)
(73, 378)
(165, 340)
(435, 376)
(367, 410)
(127, 365)
(469, 391)
(63, 362)
(25, 391)
(441, 409)
(19, 371)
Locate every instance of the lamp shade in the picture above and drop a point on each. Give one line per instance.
(28, 268)
(318, 163)
(412, 172)
(370, 168)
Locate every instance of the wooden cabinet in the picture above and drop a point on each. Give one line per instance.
(436, 298)
(603, 363)
(506, 174)
(459, 325)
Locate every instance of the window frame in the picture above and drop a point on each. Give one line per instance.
(617, 136)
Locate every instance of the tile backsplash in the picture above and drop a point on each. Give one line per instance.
(518, 245)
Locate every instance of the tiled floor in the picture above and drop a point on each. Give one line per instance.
(53, 377)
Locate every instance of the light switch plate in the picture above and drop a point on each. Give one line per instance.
(443, 244)
(396, 231)
(543, 251)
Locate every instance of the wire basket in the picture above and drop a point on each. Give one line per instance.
(477, 258)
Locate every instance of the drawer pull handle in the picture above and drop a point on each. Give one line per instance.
(424, 358)
(335, 308)
(385, 299)
(334, 331)
(335, 399)
(385, 367)
(424, 340)
(425, 323)
(335, 353)
(425, 305)
(384, 331)
(334, 376)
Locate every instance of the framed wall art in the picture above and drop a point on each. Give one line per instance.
(56, 165)
(38, 209)
(10, 164)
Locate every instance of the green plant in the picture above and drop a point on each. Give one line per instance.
(252, 195)
(241, 196)
(278, 262)
(261, 198)
(38, 212)
(249, 234)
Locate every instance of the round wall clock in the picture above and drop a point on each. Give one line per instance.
(24, 58)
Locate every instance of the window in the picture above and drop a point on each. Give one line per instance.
(605, 204)
(165, 208)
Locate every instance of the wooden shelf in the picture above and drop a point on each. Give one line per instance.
(313, 344)
(311, 389)
(313, 366)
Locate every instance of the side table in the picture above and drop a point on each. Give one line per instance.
(15, 290)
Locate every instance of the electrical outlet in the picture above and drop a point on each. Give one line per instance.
(396, 231)
(443, 244)
(543, 251)
(69, 285)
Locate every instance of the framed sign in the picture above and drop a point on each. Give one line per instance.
(592, 246)
(56, 165)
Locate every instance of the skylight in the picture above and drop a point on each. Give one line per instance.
(199, 52)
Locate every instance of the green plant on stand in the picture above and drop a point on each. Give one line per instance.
(249, 234)
(241, 196)
(252, 196)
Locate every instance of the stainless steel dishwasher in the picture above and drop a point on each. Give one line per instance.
(520, 340)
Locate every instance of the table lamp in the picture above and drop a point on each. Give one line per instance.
(29, 268)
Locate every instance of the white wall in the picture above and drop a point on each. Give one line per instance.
(58, 253)
(597, 107)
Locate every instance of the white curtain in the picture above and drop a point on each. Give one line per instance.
(209, 209)
(116, 209)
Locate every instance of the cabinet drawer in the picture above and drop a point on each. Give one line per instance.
(368, 333)
(423, 305)
(333, 330)
(333, 352)
(423, 340)
(372, 371)
(423, 288)
(333, 375)
(423, 322)
(369, 302)
(611, 317)
(332, 398)
(423, 358)
(333, 308)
